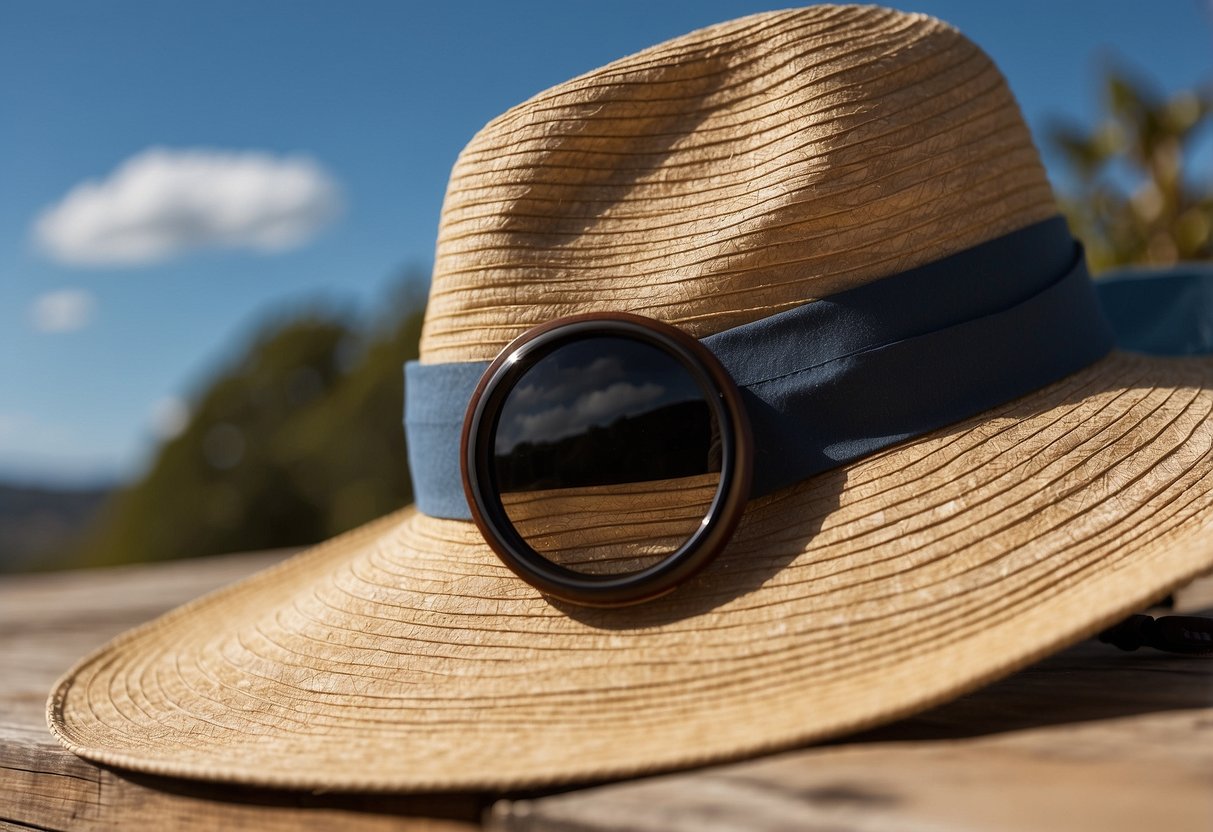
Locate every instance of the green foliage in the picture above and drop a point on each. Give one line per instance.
(1135, 201)
(296, 441)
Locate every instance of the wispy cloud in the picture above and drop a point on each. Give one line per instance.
(169, 417)
(64, 311)
(161, 203)
(20, 430)
(34, 449)
(595, 407)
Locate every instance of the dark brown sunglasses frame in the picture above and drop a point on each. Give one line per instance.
(480, 425)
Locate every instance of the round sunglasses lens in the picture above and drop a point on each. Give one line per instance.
(606, 455)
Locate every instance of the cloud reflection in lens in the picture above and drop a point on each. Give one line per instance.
(607, 455)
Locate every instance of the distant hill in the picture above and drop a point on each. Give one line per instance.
(630, 449)
(38, 525)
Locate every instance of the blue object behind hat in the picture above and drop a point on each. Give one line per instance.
(1161, 311)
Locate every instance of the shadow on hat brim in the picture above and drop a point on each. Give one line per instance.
(404, 656)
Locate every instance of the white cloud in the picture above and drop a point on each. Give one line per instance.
(169, 418)
(10, 423)
(568, 383)
(597, 407)
(64, 311)
(161, 203)
(37, 449)
(22, 432)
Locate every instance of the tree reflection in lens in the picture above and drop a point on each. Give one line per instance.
(607, 455)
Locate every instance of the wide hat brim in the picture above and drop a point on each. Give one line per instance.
(405, 656)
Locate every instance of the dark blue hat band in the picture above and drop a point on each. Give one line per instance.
(1161, 311)
(842, 377)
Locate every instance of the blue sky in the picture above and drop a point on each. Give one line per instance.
(364, 107)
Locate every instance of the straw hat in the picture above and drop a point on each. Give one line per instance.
(713, 180)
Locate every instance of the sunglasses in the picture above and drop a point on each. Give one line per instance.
(582, 420)
(607, 458)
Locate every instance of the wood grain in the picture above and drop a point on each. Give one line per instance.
(1087, 740)
(48, 621)
(1090, 739)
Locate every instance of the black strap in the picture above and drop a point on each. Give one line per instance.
(1188, 634)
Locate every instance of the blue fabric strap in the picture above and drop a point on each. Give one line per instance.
(436, 398)
(1161, 311)
(839, 378)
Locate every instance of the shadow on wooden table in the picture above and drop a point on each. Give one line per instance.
(1088, 682)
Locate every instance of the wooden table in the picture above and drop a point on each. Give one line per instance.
(1090, 739)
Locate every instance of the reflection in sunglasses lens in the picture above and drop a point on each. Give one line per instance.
(606, 455)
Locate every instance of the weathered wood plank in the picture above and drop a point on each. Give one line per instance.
(50, 789)
(47, 622)
(5, 826)
(1090, 739)
(1054, 779)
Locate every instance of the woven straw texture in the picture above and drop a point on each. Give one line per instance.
(731, 174)
(709, 181)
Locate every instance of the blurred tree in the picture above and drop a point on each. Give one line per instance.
(297, 440)
(353, 462)
(1135, 200)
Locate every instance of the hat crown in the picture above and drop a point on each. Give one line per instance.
(729, 174)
